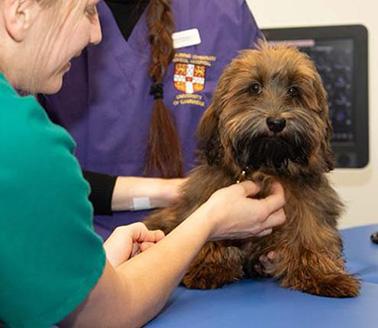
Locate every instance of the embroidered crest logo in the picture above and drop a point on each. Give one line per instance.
(189, 78)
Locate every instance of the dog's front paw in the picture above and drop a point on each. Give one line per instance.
(335, 285)
(339, 286)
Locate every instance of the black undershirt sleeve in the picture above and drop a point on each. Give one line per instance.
(102, 187)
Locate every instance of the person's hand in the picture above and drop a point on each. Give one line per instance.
(235, 215)
(128, 241)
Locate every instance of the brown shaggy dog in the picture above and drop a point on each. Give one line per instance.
(269, 121)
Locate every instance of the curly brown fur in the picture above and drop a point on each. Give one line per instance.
(279, 83)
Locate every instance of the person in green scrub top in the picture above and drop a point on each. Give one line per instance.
(54, 268)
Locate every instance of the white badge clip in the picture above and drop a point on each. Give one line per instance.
(186, 38)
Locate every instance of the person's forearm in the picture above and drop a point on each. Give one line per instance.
(135, 292)
(151, 277)
(135, 193)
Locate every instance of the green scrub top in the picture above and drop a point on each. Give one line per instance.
(50, 255)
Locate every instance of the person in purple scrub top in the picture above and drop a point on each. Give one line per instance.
(132, 103)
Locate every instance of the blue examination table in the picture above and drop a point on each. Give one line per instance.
(263, 304)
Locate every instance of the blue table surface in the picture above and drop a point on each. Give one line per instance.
(262, 303)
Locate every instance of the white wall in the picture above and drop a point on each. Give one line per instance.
(358, 188)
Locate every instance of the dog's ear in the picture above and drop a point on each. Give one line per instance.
(209, 143)
(322, 104)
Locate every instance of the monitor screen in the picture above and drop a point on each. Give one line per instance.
(340, 55)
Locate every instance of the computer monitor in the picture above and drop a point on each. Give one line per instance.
(341, 56)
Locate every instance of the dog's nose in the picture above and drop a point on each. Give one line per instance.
(276, 124)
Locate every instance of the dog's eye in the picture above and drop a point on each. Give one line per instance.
(255, 88)
(293, 92)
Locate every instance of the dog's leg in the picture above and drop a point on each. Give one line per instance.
(313, 263)
(215, 265)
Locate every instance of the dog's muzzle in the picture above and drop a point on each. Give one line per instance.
(272, 152)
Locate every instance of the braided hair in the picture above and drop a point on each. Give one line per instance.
(164, 151)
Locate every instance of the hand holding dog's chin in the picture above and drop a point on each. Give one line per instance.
(233, 213)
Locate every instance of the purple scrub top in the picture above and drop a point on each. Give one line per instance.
(105, 102)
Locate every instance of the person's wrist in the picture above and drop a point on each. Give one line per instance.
(131, 192)
(209, 219)
(164, 192)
